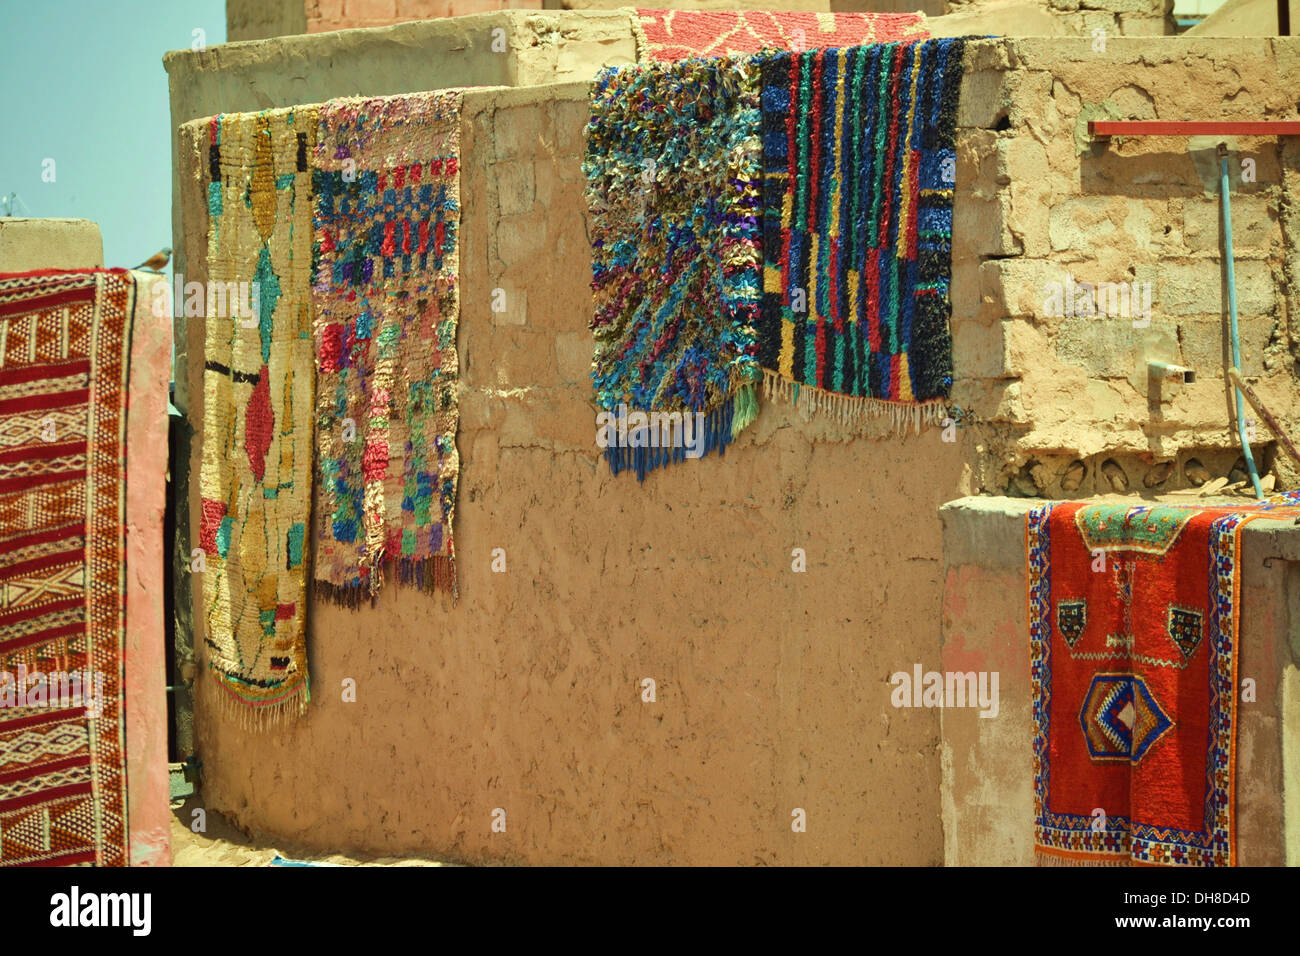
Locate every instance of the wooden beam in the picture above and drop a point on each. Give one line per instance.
(1275, 427)
(1193, 128)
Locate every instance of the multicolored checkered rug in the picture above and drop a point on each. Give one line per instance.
(385, 295)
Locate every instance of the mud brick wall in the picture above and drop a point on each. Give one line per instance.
(1114, 17)
(1044, 206)
(773, 686)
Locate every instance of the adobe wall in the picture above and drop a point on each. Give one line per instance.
(324, 15)
(773, 688)
(30, 244)
(1084, 17)
(527, 694)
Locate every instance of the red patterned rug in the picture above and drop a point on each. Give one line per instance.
(678, 34)
(1133, 635)
(64, 347)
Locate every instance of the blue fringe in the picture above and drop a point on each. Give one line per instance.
(717, 436)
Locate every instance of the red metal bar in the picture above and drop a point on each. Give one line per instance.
(1188, 128)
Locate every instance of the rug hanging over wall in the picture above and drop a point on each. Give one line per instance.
(859, 169)
(668, 35)
(258, 401)
(64, 355)
(1133, 615)
(385, 294)
(673, 162)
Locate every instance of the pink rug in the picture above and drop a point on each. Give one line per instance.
(677, 34)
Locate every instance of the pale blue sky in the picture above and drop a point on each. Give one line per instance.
(82, 83)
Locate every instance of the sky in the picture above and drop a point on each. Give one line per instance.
(82, 83)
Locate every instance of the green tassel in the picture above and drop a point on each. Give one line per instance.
(746, 408)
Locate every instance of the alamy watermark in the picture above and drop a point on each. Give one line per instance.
(951, 689)
(1115, 300)
(192, 300)
(57, 689)
(133, 911)
(636, 429)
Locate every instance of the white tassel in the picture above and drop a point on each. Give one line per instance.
(852, 410)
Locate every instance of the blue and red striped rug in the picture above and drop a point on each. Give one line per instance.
(859, 170)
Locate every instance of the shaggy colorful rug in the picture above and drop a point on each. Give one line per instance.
(64, 355)
(258, 399)
(669, 35)
(859, 169)
(1133, 617)
(387, 215)
(673, 164)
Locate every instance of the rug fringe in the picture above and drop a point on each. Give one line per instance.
(853, 410)
(746, 408)
(639, 38)
(256, 717)
(719, 432)
(1042, 858)
(434, 573)
(351, 595)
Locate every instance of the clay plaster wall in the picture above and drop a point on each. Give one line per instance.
(261, 19)
(323, 15)
(258, 19)
(773, 686)
(29, 244)
(1247, 18)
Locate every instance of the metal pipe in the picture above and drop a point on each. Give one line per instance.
(1232, 316)
(1164, 370)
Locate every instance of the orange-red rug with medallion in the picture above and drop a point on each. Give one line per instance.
(1133, 614)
